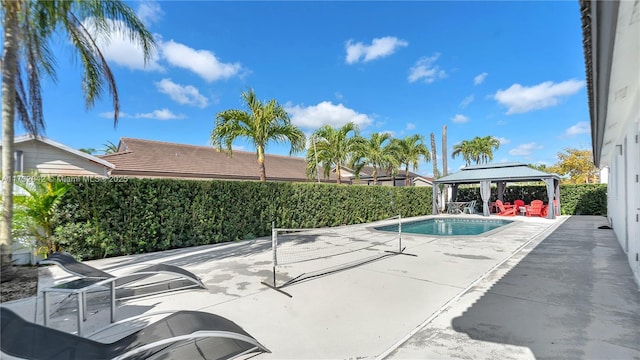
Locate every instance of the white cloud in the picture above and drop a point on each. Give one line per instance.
(149, 12)
(460, 119)
(109, 115)
(581, 127)
(479, 79)
(410, 126)
(426, 70)
(202, 62)
(187, 95)
(466, 101)
(116, 47)
(525, 149)
(339, 95)
(503, 140)
(162, 114)
(521, 99)
(326, 113)
(380, 47)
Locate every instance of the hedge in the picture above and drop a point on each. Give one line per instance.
(106, 218)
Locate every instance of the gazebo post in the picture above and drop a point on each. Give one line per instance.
(435, 199)
(485, 194)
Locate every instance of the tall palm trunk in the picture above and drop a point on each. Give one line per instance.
(444, 150)
(9, 73)
(263, 171)
(434, 157)
(407, 181)
(338, 181)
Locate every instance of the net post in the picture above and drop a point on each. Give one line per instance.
(400, 232)
(400, 248)
(274, 246)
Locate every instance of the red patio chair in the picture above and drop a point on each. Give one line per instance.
(504, 211)
(536, 208)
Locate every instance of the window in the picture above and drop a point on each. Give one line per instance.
(18, 161)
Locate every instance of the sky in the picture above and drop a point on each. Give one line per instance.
(512, 70)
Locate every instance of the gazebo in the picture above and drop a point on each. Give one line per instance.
(501, 174)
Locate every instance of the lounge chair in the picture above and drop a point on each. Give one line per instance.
(536, 208)
(506, 211)
(126, 285)
(182, 335)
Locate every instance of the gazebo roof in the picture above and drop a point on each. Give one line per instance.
(504, 172)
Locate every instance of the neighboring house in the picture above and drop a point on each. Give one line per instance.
(155, 159)
(48, 157)
(386, 179)
(611, 38)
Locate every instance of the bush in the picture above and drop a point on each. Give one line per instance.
(100, 219)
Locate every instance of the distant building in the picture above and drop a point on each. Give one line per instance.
(156, 159)
(48, 157)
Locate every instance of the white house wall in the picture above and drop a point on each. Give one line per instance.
(49, 160)
(624, 195)
(621, 147)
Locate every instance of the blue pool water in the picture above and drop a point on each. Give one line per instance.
(447, 227)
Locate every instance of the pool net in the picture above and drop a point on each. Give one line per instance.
(290, 246)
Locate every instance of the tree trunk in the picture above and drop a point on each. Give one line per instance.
(375, 176)
(338, 180)
(263, 171)
(444, 150)
(407, 181)
(434, 158)
(9, 73)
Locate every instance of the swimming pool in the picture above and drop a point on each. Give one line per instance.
(447, 226)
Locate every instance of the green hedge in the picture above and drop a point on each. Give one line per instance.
(105, 218)
(582, 199)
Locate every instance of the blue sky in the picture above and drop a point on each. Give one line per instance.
(512, 70)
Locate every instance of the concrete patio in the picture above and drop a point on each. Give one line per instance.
(537, 288)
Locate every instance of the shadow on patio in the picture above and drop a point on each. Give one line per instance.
(573, 296)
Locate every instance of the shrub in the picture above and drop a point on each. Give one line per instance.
(99, 219)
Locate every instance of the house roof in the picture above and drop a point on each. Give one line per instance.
(138, 157)
(610, 44)
(509, 172)
(384, 175)
(29, 137)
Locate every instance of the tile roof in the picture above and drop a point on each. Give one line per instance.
(147, 158)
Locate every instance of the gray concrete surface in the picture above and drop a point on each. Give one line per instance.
(538, 288)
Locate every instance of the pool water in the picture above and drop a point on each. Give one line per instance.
(447, 227)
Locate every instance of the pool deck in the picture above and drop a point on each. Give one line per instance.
(538, 288)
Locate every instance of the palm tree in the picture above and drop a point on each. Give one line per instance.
(109, 148)
(89, 151)
(409, 151)
(28, 27)
(484, 147)
(333, 148)
(466, 149)
(263, 123)
(38, 207)
(377, 151)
